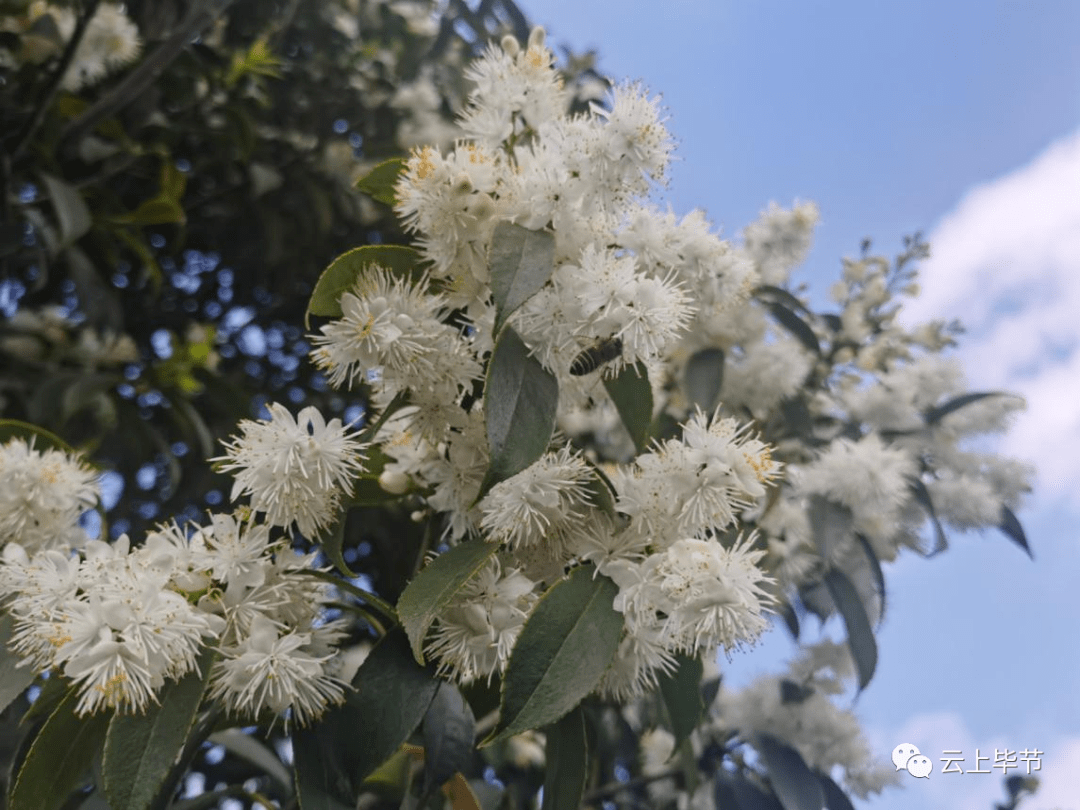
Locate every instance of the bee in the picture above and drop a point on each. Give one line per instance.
(604, 351)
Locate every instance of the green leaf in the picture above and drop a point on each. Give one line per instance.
(875, 569)
(835, 798)
(449, 732)
(790, 617)
(43, 439)
(936, 414)
(860, 633)
(563, 650)
(601, 489)
(246, 747)
(1010, 524)
(632, 395)
(704, 377)
(795, 325)
(334, 757)
(922, 495)
(332, 541)
(830, 524)
(58, 762)
(140, 749)
(794, 784)
(436, 585)
(159, 210)
(767, 291)
(791, 692)
(343, 272)
(380, 181)
(72, 212)
(13, 678)
(520, 399)
(566, 763)
(682, 696)
(522, 261)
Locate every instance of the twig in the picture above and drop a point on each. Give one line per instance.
(55, 80)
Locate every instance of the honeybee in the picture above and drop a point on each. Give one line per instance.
(604, 351)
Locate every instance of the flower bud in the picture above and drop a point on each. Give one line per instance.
(510, 45)
(394, 482)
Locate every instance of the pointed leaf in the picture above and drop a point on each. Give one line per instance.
(767, 291)
(343, 272)
(140, 749)
(449, 732)
(704, 378)
(830, 524)
(835, 798)
(1010, 524)
(936, 414)
(794, 784)
(796, 326)
(860, 633)
(522, 261)
(632, 395)
(13, 678)
(791, 692)
(790, 617)
(71, 209)
(875, 569)
(520, 399)
(380, 181)
(563, 650)
(58, 762)
(334, 757)
(247, 747)
(922, 495)
(681, 691)
(434, 587)
(566, 763)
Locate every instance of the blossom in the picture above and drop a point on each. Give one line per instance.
(271, 670)
(545, 499)
(42, 495)
(475, 633)
(295, 470)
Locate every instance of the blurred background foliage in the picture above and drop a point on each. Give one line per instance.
(162, 227)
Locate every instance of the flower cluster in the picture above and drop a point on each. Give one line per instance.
(119, 621)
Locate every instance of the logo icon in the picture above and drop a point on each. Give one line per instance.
(906, 757)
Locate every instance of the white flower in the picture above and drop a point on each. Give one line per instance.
(475, 633)
(780, 240)
(545, 499)
(111, 41)
(701, 594)
(271, 670)
(42, 495)
(294, 470)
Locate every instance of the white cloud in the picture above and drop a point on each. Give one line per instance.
(1006, 262)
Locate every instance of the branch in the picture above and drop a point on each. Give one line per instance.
(55, 80)
(199, 17)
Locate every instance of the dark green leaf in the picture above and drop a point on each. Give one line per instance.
(602, 490)
(875, 569)
(704, 378)
(380, 181)
(796, 326)
(563, 650)
(522, 261)
(434, 587)
(43, 439)
(835, 799)
(709, 690)
(449, 732)
(140, 749)
(742, 794)
(936, 414)
(830, 524)
(833, 322)
(333, 540)
(632, 395)
(343, 272)
(567, 762)
(768, 292)
(246, 747)
(1010, 524)
(922, 495)
(681, 691)
(160, 210)
(13, 678)
(791, 692)
(520, 399)
(790, 617)
(59, 759)
(860, 634)
(72, 212)
(794, 784)
(334, 757)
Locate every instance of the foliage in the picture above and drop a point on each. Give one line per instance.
(598, 442)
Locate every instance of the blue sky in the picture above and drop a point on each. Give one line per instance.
(961, 119)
